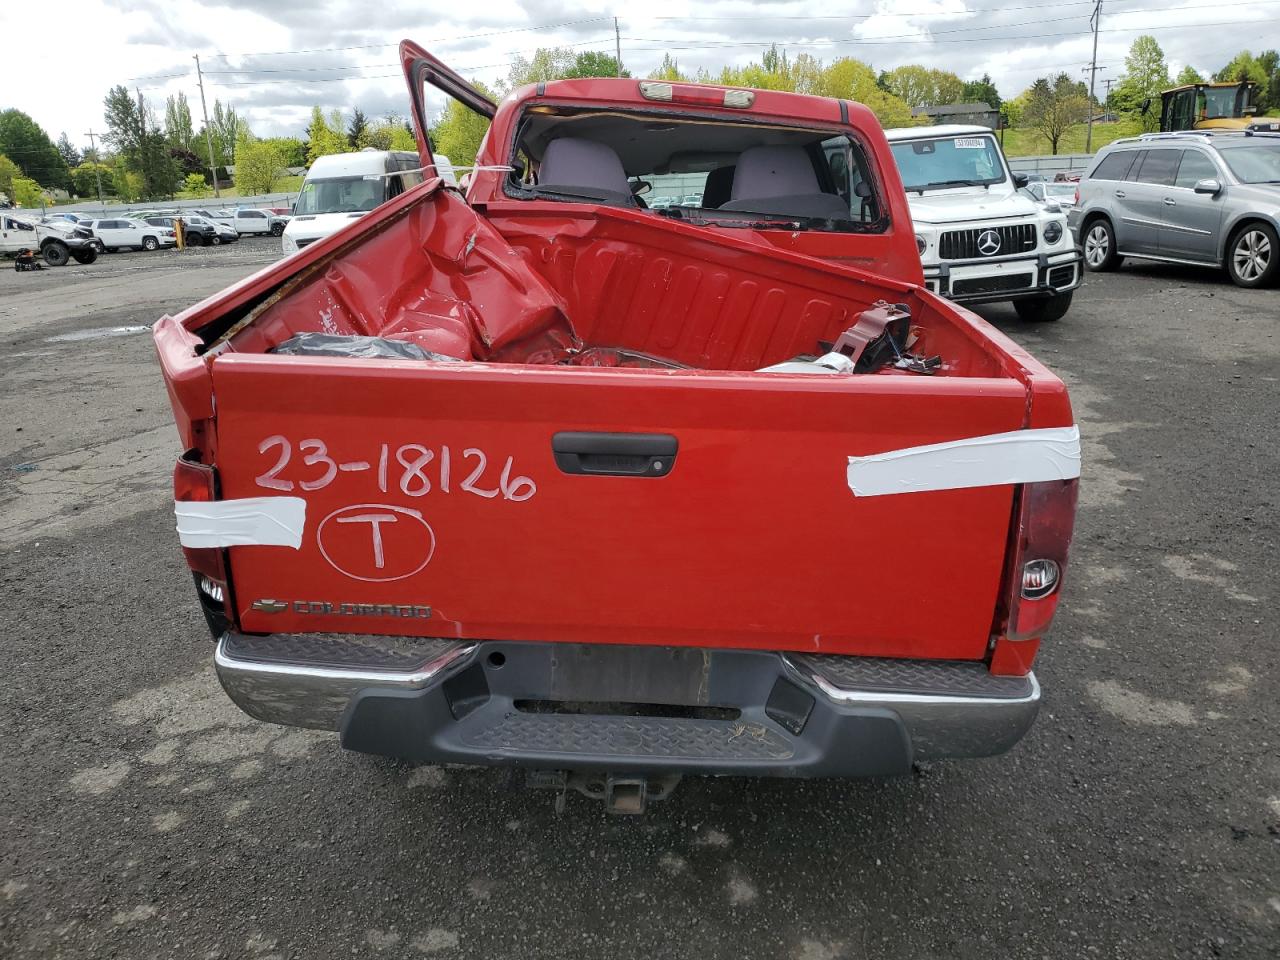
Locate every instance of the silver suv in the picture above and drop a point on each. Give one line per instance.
(1197, 197)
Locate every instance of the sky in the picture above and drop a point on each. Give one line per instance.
(274, 59)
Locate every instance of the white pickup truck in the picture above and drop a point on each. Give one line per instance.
(56, 240)
(980, 241)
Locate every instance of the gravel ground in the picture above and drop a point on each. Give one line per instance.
(141, 816)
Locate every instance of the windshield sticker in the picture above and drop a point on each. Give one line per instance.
(970, 143)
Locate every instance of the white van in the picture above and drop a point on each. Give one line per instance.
(343, 187)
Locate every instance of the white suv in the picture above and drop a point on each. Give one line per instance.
(127, 234)
(980, 240)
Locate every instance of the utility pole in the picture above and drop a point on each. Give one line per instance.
(1108, 82)
(1095, 21)
(617, 45)
(208, 137)
(97, 166)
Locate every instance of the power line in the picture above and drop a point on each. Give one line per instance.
(667, 42)
(953, 13)
(385, 46)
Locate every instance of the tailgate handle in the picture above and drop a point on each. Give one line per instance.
(615, 454)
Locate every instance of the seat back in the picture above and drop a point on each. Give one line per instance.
(780, 180)
(573, 165)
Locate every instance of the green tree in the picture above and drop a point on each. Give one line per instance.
(355, 132)
(177, 123)
(24, 142)
(1055, 106)
(141, 148)
(1243, 66)
(851, 79)
(292, 150)
(8, 170)
(389, 133)
(921, 86)
(669, 70)
(1146, 74)
(195, 187)
(981, 91)
(259, 163)
(547, 63)
(27, 193)
(323, 138)
(84, 180)
(1188, 74)
(70, 155)
(459, 131)
(592, 63)
(223, 126)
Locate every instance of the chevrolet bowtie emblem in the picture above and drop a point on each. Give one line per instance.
(270, 606)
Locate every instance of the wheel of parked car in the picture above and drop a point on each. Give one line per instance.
(86, 254)
(1253, 256)
(277, 229)
(150, 243)
(215, 240)
(56, 254)
(1043, 309)
(1100, 246)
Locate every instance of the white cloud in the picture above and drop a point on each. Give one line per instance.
(145, 42)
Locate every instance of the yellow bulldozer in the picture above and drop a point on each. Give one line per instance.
(1212, 106)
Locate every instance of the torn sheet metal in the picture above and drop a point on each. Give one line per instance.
(251, 521)
(1020, 456)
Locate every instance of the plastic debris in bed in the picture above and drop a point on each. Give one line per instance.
(356, 347)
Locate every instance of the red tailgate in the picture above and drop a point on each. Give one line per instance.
(750, 537)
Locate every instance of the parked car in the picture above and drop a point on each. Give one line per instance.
(218, 216)
(122, 233)
(692, 200)
(980, 240)
(342, 187)
(57, 241)
(1197, 197)
(69, 217)
(1063, 194)
(198, 230)
(246, 220)
(820, 521)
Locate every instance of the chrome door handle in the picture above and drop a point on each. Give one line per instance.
(1170, 202)
(1119, 194)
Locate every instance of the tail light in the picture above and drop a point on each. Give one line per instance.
(1039, 544)
(1076, 202)
(194, 481)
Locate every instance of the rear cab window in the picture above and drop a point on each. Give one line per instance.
(708, 172)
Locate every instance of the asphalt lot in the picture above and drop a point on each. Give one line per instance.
(141, 816)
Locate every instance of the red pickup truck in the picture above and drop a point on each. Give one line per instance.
(534, 474)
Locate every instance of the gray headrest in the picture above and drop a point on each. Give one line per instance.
(576, 165)
(773, 172)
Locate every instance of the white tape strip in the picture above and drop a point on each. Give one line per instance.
(253, 521)
(1020, 456)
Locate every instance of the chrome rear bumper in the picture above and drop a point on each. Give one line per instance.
(798, 714)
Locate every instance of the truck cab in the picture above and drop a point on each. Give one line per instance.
(980, 240)
(1213, 106)
(534, 475)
